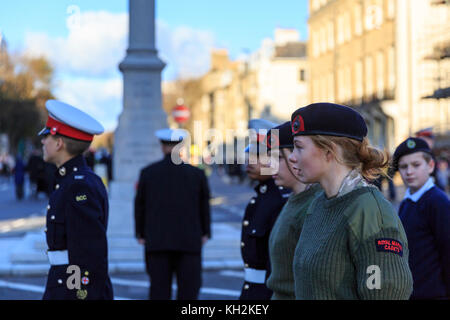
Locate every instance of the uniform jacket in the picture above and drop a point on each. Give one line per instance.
(259, 218)
(172, 210)
(77, 217)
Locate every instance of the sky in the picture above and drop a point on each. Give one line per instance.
(85, 40)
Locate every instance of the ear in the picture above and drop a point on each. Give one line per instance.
(431, 166)
(59, 143)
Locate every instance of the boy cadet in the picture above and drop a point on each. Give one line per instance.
(77, 213)
(172, 220)
(425, 214)
(259, 218)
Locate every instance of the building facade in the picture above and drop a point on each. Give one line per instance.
(370, 54)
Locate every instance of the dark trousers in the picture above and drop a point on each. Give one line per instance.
(161, 266)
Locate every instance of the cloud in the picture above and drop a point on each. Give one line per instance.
(101, 98)
(86, 60)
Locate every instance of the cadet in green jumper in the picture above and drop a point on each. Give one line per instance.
(286, 231)
(352, 244)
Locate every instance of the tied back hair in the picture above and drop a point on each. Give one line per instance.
(371, 162)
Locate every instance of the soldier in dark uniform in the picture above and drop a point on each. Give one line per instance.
(77, 213)
(259, 218)
(172, 220)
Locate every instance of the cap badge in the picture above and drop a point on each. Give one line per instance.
(411, 144)
(53, 131)
(62, 171)
(275, 139)
(298, 124)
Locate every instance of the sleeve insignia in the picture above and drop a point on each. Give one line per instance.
(389, 245)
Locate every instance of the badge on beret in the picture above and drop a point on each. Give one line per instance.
(411, 144)
(276, 142)
(298, 124)
(82, 294)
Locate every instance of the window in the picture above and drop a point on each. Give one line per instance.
(391, 70)
(302, 75)
(357, 20)
(359, 80)
(391, 9)
(369, 77)
(380, 74)
(330, 31)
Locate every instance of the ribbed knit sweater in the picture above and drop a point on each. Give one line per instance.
(283, 240)
(345, 243)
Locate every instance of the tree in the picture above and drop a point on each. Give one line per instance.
(25, 86)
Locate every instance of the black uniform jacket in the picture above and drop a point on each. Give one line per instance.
(172, 210)
(259, 218)
(77, 217)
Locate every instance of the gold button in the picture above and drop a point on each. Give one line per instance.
(245, 223)
(246, 287)
(246, 265)
(45, 230)
(48, 207)
(75, 169)
(57, 187)
(252, 201)
(242, 244)
(52, 217)
(60, 281)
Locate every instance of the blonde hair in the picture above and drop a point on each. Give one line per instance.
(370, 161)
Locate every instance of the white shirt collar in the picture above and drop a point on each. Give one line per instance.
(419, 193)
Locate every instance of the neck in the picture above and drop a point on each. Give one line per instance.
(63, 158)
(298, 188)
(332, 180)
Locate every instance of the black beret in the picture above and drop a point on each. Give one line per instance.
(410, 145)
(328, 119)
(284, 138)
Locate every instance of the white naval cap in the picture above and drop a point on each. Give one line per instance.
(171, 135)
(71, 122)
(259, 124)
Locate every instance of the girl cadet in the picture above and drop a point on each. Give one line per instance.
(286, 231)
(352, 244)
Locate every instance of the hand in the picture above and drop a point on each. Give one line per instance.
(141, 241)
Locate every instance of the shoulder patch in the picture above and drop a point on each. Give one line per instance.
(389, 245)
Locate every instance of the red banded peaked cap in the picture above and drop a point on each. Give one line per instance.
(71, 122)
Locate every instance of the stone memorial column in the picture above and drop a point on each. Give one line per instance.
(135, 145)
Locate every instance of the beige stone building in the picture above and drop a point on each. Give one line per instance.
(372, 55)
(270, 83)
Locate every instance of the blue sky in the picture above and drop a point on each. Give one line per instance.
(86, 59)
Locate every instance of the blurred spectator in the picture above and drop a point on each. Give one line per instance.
(35, 168)
(19, 177)
(442, 173)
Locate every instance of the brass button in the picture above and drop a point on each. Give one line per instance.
(246, 287)
(245, 223)
(242, 244)
(252, 201)
(52, 217)
(75, 169)
(48, 207)
(60, 281)
(57, 187)
(246, 265)
(62, 171)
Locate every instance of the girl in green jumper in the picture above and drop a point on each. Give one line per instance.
(352, 244)
(285, 232)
